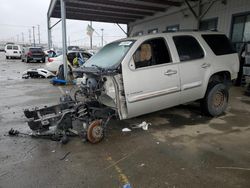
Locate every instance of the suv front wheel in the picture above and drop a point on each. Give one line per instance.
(216, 99)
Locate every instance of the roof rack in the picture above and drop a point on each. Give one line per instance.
(186, 30)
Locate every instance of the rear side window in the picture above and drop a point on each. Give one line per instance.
(188, 48)
(219, 44)
(15, 47)
(9, 47)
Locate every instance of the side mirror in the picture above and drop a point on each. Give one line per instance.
(131, 64)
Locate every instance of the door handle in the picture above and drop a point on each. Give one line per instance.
(170, 72)
(205, 65)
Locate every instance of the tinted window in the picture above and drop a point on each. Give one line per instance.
(172, 28)
(153, 31)
(220, 44)
(15, 47)
(188, 48)
(151, 52)
(36, 49)
(210, 24)
(9, 47)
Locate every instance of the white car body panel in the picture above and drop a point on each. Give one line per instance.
(54, 65)
(148, 89)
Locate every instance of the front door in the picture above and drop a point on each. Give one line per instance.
(151, 80)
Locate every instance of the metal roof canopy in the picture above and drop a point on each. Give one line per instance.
(112, 11)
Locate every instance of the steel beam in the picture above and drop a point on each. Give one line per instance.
(124, 4)
(94, 18)
(99, 13)
(163, 2)
(64, 39)
(49, 33)
(85, 15)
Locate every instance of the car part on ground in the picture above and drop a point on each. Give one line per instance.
(58, 121)
(37, 73)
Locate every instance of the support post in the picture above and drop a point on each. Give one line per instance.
(38, 32)
(34, 39)
(49, 32)
(64, 39)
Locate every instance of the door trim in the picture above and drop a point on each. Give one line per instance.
(153, 94)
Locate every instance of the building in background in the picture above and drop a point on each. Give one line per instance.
(231, 17)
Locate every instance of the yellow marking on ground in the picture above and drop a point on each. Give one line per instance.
(122, 177)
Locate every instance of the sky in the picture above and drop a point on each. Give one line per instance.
(17, 17)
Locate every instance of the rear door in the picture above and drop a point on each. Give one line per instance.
(194, 66)
(151, 79)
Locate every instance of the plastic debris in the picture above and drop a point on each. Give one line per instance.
(144, 125)
(126, 130)
(127, 186)
(142, 165)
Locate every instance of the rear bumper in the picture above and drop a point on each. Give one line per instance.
(13, 55)
(36, 58)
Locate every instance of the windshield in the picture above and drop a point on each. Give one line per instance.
(110, 55)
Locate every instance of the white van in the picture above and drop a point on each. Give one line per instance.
(13, 50)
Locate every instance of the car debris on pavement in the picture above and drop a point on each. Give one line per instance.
(37, 73)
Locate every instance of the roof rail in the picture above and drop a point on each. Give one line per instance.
(186, 30)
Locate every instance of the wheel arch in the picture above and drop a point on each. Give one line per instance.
(220, 77)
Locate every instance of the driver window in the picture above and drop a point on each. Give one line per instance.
(151, 52)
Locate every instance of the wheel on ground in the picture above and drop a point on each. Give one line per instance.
(216, 99)
(95, 132)
(7, 57)
(43, 60)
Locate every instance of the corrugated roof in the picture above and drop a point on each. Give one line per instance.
(114, 11)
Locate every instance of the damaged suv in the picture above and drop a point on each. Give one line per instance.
(140, 75)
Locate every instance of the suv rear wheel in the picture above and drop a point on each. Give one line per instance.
(216, 99)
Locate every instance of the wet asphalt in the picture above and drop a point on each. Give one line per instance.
(182, 148)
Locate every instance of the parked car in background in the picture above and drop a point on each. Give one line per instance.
(13, 51)
(73, 48)
(54, 63)
(33, 54)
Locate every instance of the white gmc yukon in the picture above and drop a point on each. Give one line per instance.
(144, 74)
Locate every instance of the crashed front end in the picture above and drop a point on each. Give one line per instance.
(103, 99)
(101, 88)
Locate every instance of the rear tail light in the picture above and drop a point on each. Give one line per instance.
(29, 53)
(50, 60)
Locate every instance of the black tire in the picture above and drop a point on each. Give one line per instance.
(43, 60)
(216, 99)
(7, 57)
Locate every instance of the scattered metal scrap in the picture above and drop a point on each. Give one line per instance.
(37, 73)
